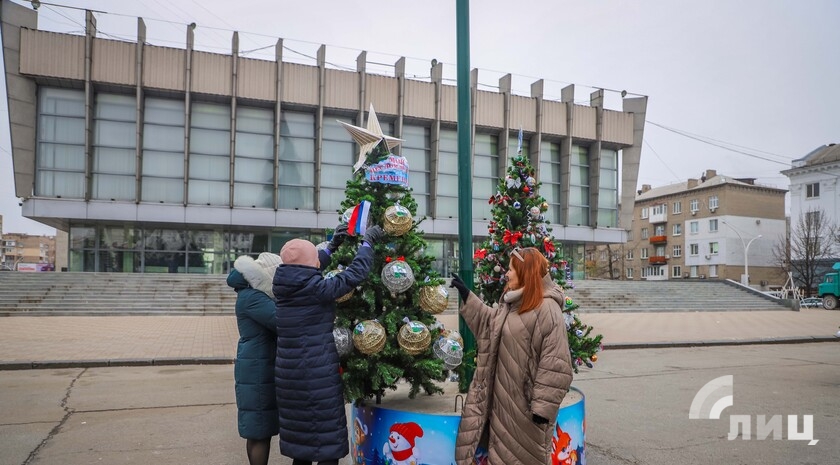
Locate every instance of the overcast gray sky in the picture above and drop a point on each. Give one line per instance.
(723, 77)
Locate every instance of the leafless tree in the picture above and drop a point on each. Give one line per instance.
(811, 244)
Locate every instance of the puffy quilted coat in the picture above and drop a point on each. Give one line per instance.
(310, 395)
(253, 369)
(524, 368)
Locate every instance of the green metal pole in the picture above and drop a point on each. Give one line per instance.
(464, 167)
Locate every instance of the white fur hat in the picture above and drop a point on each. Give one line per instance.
(260, 272)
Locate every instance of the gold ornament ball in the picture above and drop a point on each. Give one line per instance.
(544, 206)
(369, 337)
(594, 358)
(345, 297)
(434, 299)
(414, 338)
(397, 220)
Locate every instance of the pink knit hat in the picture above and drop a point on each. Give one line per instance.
(300, 252)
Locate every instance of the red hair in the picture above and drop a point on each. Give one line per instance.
(530, 271)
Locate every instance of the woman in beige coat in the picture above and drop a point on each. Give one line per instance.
(523, 369)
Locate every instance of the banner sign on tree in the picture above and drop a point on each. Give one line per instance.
(392, 170)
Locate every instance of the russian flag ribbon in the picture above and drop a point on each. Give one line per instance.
(359, 219)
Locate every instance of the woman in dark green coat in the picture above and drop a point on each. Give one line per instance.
(254, 368)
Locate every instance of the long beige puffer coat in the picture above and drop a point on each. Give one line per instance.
(523, 368)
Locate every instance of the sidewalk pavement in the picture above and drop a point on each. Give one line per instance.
(70, 341)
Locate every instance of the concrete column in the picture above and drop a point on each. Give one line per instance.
(278, 98)
(437, 81)
(538, 93)
(399, 68)
(361, 68)
(139, 109)
(596, 100)
(319, 121)
(505, 85)
(630, 159)
(234, 70)
(90, 34)
(187, 107)
(567, 96)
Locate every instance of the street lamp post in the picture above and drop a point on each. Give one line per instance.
(745, 280)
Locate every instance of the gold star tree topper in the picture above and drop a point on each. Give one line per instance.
(369, 137)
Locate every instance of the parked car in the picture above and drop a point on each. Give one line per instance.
(811, 302)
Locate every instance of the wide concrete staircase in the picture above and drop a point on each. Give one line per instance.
(114, 293)
(195, 294)
(669, 296)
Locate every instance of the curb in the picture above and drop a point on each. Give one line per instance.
(53, 364)
(715, 343)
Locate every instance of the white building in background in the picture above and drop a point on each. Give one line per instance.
(813, 184)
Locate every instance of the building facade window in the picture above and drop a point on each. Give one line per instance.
(447, 181)
(338, 154)
(253, 172)
(677, 251)
(693, 271)
(644, 233)
(677, 230)
(485, 174)
(645, 213)
(629, 273)
(694, 205)
(629, 255)
(694, 227)
(114, 147)
(608, 189)
(209, 176)
(296, 176)
(644, 253)
(713, 248)
(693, 249)
(677, 207)
(676, 271)
(60, 158)
(163, 151)
(417, 149)
(713, 202)
(812, 190)
(550, 169)
(579, 187)
(659, 230)
(713, 271)
(713, 225)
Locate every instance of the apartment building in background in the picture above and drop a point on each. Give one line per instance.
(701, 229)
(156, 159)
(24, 252)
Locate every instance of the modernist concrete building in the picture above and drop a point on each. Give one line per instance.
(708, 228)
(159, 159)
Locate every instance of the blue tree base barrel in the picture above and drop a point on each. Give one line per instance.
(423, 430)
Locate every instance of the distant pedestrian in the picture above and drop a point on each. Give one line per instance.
(254, 365)
(310, 395)
(524, 367)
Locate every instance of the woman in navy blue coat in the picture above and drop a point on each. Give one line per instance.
(253, 369)
(310, 395)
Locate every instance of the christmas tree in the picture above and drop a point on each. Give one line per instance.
(385, 330)
(519, 221)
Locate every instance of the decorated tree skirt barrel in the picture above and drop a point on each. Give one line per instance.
(422, 431)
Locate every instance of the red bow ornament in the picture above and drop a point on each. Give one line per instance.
(480, 254)
(549, 245)
(511, 238)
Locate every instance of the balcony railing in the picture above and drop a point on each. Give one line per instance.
(658, 260)
(658, 239)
